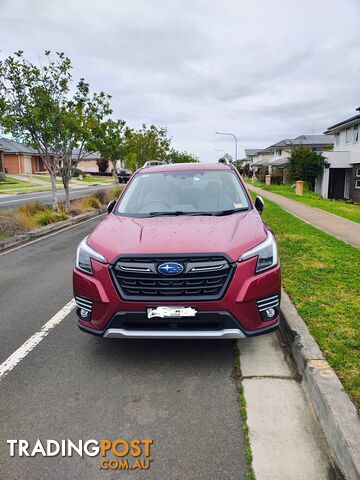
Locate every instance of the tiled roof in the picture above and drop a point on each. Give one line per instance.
(11, 146)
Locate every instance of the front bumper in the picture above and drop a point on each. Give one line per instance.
(207, 325)
(239, 304)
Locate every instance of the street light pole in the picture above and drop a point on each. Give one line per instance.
(232, 135)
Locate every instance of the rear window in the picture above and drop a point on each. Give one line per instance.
(192, 191)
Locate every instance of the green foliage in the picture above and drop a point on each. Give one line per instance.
(277, 177)
(260, 174)
(49, 216)
(175, 156)
(40, 106)
(305, 164)
(148, 143)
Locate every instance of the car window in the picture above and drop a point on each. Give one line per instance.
(191, 191)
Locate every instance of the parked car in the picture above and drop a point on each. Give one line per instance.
(123, 176)
(154, 163)
(183, 253)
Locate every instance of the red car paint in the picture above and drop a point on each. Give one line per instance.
(232, 235)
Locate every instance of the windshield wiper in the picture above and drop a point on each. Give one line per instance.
(177, 213)
(229, 212)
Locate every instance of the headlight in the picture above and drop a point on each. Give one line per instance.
(266, 252)
(84, 254)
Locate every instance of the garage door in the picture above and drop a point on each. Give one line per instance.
(27, 165)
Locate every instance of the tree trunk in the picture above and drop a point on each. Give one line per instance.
(114, 171)
(67, 193)
(53, 190)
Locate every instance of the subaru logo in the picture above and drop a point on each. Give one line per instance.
(170, 268)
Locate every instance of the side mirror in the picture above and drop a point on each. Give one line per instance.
(259, 204)
(111, 206)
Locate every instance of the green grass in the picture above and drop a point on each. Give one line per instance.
(46, 178)
(91, 179)
(11, 183)
(250, 474)
(349, 211)
(321, 275)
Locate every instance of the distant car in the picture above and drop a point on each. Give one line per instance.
(123, 176)
(183, 253)
(154, 163)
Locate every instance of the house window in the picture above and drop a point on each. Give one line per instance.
(357, 173)
(348, 135)
(357, 183)
(278, 152)
(337, 138)
(356, 133)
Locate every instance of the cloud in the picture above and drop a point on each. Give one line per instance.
(262, 70)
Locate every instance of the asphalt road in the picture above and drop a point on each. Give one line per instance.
(72, 385)
(45, 197)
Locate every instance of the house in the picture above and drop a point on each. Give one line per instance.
(250, 153)
(19, 159)
(341, 177)
(90, 161)
(279, 153)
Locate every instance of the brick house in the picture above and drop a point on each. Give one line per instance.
(18, 159)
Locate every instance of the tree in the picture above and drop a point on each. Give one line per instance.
(81, 119)
(175, 156)
(109, 139)
(31, 104)
(103, 164)
(38, 108)
(305, 164)
(148, 143)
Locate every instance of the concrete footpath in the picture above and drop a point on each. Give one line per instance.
(286, 439)
(339, 227)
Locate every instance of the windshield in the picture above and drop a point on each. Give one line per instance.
(192, 192)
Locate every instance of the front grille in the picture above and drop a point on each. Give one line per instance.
(203, 277)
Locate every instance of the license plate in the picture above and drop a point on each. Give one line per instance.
(171, 312)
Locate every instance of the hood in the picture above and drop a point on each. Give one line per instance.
(232, 234)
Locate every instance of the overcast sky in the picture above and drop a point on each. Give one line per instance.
(262, 69)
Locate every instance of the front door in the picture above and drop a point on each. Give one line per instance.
(337, 183)
(27, 165)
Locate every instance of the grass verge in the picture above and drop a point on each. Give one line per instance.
(34, 215)
(12, 183)
(321, 275)
(91, 179)
(350, 211)
(250, 474)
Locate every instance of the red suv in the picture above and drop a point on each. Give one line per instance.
(183, 253)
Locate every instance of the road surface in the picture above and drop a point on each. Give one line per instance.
(72, 385)
(14, 201)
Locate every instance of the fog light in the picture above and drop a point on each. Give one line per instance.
(270, 312)
(84, 314)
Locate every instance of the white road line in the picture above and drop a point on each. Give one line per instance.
(35, 339)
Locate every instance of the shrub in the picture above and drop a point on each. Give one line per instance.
(277, 177)
(101, 195)
(25, 220)
(77, 172)
(305, 165)
(31, 208)
(260, 174)
(48, 216)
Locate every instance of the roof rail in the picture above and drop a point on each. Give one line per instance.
(224, 160)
